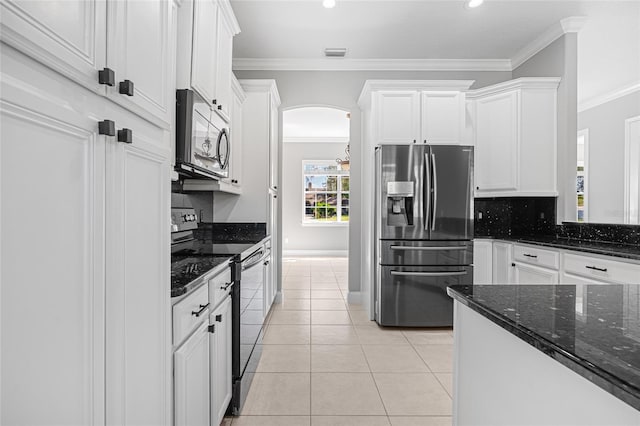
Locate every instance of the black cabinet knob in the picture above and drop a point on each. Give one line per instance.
(219, 106)
(477, 187)
(215, 101)
(211, 328)
(107, 127)
(414, 141)
(107, 76)
(125, 135)
(218, 318)
(513, 264)
(126, 87)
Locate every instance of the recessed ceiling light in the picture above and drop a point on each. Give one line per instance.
(474, 3)
(329, 3)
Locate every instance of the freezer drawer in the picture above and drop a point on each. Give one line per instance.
(423, 253)
(417, 296)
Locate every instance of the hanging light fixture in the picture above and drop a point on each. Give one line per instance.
(344, 164)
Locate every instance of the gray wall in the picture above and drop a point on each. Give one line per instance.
(342, 89)
(295, 236)
(606, 156)
(560, 59)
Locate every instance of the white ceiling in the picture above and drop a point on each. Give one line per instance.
(609, 43)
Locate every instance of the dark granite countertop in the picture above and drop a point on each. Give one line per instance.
(626, 251)
(592, 329)
(186, 269)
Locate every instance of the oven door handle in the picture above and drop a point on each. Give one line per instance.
(254, 259)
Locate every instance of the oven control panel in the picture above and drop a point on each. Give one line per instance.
(183, 219)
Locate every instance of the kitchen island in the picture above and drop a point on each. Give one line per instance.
(546, 355)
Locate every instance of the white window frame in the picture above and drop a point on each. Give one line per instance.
(339, 192)
(584, 133)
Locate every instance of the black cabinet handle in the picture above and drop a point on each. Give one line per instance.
(215, 101)
(107, 76)
(219, 106)
(226, 285)
(126, 87)
(266, 263)
(414, 141)
(202, 309)
(477, 187)
(211, 328)
(125, 135)
(107, 127)
(219, 318)
(513, 265)
(530, 255)
(275, 187)
(595, 268)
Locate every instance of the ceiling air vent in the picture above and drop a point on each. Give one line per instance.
(335, 52)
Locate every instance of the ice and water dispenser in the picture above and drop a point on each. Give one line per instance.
(400, 203)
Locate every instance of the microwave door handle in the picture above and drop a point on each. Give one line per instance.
(435, 191)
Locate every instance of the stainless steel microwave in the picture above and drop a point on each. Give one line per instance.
(202, 141)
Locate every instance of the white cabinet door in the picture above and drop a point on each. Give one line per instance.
(140, 49)
(223, 68)
(236, 142)
(66, 35)
(274, 160)
(220, 360)
(482, 263)
(191, 380)
(397, 116)
(528, 274)
(138, 306)
(496, 151)
(52, 267)
(443, 117)
(502, 259)
(203, 58)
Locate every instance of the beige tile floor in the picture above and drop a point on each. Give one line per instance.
(325, 363)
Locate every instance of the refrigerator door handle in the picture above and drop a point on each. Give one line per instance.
(428, 274)
(435, 191)
(426, 192)
(428, 248)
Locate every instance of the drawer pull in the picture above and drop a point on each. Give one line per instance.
(530, 255)
(226, 285)
(202, 309)
(211, 328)
(219, 318)
(595, 268)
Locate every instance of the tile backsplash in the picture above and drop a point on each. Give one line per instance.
(602, 232)
(514, 216)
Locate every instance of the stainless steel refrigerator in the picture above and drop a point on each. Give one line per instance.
(423, 232)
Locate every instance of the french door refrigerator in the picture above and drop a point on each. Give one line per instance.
(423, 232)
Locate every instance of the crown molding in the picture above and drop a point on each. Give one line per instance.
(608, 97)
(518, 83)
(229, 16)
(568, 25)
(342, 64)
(237, 88)
(261, 85)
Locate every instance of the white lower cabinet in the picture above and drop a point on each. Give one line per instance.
(482, 263)
(566, 278)
(191, 378)
(502, 262)
(220, 360)
(529, 274)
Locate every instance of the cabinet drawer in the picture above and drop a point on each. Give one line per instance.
(189, 313)
(536, 256)
(602, 269)
(220, 287)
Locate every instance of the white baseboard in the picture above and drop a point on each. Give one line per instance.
(354, 297)
(315, 253)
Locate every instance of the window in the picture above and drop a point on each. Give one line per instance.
(326, 192)
(582, 175)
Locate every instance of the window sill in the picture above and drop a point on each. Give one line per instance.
(325, 224)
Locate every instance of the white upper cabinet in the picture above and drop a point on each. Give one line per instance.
(205, 46)
(430, 112)
(442, 117)
(140, 51)
(66, 35)
(130, 41)
(397, 116)
(515, 136)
